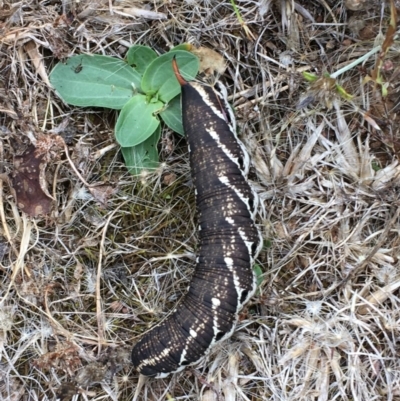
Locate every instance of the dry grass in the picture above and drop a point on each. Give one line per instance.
(78, 287)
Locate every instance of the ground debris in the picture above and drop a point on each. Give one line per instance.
(66, 391)
(65, 357)
(29, 194)
(28, 179)
(102, 193)
(112, 361)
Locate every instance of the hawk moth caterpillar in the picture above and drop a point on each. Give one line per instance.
(229, 241)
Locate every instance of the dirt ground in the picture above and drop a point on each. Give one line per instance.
(91, 256)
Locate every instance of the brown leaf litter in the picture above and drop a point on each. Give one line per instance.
(29, 177)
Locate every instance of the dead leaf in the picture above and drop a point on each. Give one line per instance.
(210, 60)
(37, 61)
(64, 357)
(378, 297)
(26, 183)
(356, 5)
(169, 178)
(139, 12)
(102, 193)
(49, 146)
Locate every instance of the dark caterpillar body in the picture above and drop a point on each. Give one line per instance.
(229, 240)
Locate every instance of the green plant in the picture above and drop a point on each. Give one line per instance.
(143, 87)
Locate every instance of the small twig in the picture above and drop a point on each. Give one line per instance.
(99, 309)
(2, 214)
(74, 168)
(59, 329)
(19, 263)
(204, 382)
(141, 382)
(329, 10)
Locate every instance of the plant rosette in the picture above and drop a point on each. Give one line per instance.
(143, 88)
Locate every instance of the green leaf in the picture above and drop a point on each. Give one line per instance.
(183, 46)
(143, 156)
(309, 76)
(342, 92)
(94, 80)
(172, 115)
(137, 121)
(259, 276)
(159, 77)
(375, 166)
(267, 243)
(139, 57)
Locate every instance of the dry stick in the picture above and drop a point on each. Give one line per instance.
(141, 382)
(99, 311)
(2, 214)
(204, 382)
(259, 99)
(330, 11)
(56, 326)
(59, 329)
(19, 263)
(74, 168)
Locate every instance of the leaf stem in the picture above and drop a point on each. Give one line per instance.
(355, 62)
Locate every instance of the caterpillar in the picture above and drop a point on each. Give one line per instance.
(229, 241)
